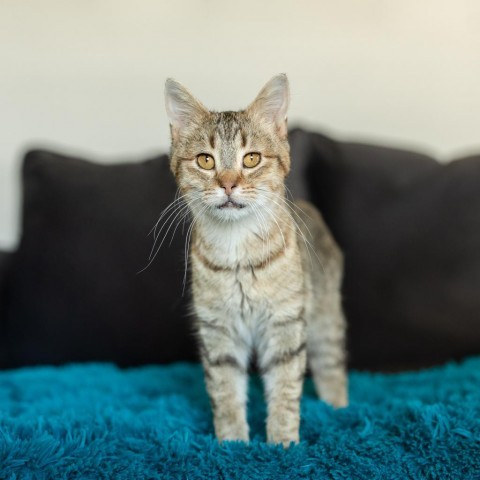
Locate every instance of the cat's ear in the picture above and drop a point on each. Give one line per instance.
(182, 107)
(272, 103)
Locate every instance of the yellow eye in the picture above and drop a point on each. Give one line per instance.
(205, 161)
(251, 160)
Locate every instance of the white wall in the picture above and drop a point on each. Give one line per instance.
(87, 75)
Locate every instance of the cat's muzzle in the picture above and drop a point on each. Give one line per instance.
(230, 204)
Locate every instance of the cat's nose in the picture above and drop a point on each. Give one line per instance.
(228, 186)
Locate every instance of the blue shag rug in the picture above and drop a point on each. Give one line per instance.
(96, 421)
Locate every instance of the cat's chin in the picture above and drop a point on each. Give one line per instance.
(230, 204)
(230, 211)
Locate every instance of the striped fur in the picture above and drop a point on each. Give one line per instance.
(266, 276)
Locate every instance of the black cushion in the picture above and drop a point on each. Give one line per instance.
(74, 291)
(5, 262)
(410, 231)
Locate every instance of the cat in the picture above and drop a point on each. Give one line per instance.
(265, 273)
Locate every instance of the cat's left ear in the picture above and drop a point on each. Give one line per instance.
(272, 103)
(183, 109)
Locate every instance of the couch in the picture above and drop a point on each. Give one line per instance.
(408, 225)
(80, 324)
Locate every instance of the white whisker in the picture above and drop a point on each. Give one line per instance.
(177, 212)
(166, 210)
(174, 213)
(187, 245)
(309, 247)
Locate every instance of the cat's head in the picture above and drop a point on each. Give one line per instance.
(229, 164)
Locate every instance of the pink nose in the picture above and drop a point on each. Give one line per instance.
(228, 186)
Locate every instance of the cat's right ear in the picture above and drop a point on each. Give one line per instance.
(182, 107)
(272, 103)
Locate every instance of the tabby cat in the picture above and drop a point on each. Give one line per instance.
(265, 272)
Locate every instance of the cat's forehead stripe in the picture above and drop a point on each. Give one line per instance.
(244, 138)
(211, 139)
(228, 127)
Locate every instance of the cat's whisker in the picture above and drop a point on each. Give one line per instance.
(288, 193)
(152, 255)
(182, 216)
(187, 244)
(274, 218)
(166, 210)
(181, 220)
(309, 247)
(175, 209)
(174, 213)
(187, 199)
(268, 237)
(294, 207)
(179, 213)
(290, 209)
(168, 222)
(263, 229)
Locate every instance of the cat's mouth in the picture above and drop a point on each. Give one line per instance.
(230, 204)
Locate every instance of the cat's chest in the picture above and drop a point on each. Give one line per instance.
(235, 294)
(243, 292)
(238, 277)
(233, 246)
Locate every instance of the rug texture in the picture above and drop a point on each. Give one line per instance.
(96, 421)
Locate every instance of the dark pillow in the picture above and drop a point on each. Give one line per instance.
(74, 291)
(410, 231)
(5, 262)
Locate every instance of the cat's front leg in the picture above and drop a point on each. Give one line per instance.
(225, 363)
(282, 363)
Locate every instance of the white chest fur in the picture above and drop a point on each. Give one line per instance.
(235, 284)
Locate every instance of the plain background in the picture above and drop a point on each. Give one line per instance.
(86, 76)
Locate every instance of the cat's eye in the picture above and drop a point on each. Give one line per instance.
(251, 160)
(205, 161)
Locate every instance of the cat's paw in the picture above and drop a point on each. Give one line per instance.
(285, 440)
(280, 434)
(336, 396)
(239, 432)
(339, 401)
(333, 389)
(233, 439)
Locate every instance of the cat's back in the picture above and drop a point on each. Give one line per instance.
(321, 254)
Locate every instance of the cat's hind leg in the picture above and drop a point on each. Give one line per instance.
(326, 326)
(326, 350)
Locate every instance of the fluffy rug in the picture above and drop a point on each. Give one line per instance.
(96, 421)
